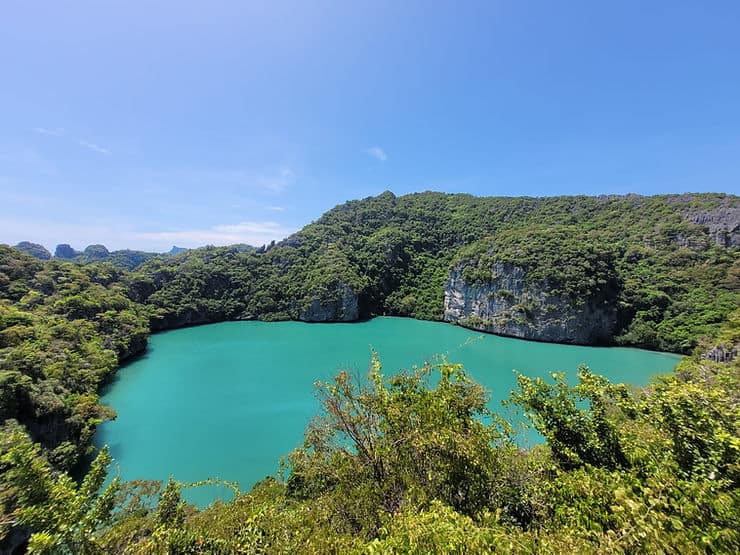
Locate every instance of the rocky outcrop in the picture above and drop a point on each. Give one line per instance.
(63, 250)
(96, 252)
(721, 353)
(34, 249)
(342, 306)
(189, 317)
(510, 304)
(722, 223)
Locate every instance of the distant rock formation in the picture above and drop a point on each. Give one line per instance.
(175, 250)
(63, 250)
(96, 252)
(126, 258)
(34, 249)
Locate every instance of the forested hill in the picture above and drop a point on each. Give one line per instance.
(655, 272)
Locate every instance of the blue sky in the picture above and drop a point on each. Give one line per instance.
(145, 124)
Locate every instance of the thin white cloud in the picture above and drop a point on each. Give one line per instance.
(251, 233)
(94, 147)
(57, 132)
(271, 180)
(377, 153)
(61, 132)
(276, 181)
(275, 208)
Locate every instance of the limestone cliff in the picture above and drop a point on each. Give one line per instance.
(512, 304)
(722, 223)
(341, 306)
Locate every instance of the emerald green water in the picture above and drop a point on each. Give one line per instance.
(227, 400)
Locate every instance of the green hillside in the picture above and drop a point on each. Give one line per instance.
(669, 279)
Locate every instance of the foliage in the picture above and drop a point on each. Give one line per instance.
(63, 516)
(577, 436)
(63, 331)
(571, 261)
(390, 442)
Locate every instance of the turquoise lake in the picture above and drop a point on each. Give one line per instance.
(228, 400)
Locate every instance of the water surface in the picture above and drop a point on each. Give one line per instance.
(227, 400)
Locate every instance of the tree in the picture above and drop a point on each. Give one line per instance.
(64, 517)
(384, 443)
(577, 434)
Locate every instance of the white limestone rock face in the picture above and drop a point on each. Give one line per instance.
(510, 304)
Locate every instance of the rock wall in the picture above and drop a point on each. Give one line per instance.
(343, 307)
(134, 347)
(511, 305)
(721, 353)
(722, 223)
(189, 317)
